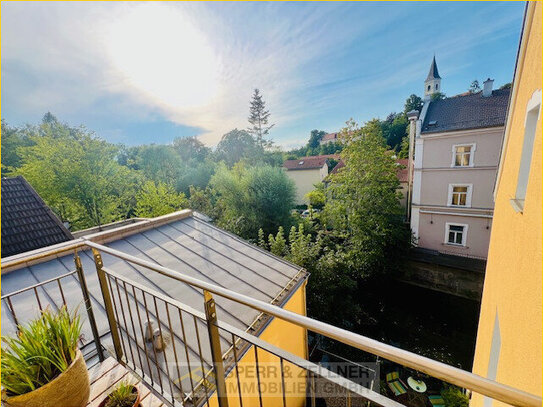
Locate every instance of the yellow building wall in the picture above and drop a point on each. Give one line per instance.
(512, 289)
(286, 336)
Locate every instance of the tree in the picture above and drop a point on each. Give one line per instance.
(77, 175)
(253, 197)
(156, 199)
(258, 118)
(160, 163)
(315, 138)
(506, 86)
(394, 129)
(237, 145)
(12, 139)
(363, 206)
(413, 102)
(437, 96)
(190, 148)
(474, 87)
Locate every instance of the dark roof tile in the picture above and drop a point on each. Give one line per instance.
(27, 222)
(467, 112)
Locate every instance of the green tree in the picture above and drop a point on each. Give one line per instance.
(506, 86)
(77, 175)
(474, 87)
(363, 206)
(317, 197)
(190, 148)
(237, 145)
(160, 163)
(437, 96)
(259, 118)
(253, 198)
(156, 199)
(315, 139)
(413, 102)
(12, 139)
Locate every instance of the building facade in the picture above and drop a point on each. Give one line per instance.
(306, 172)
(457, 148)
(509, 337)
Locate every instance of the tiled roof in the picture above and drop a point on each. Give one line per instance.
(467, 112)
(330, 136)
(402, 172)
(308, 163)
(27, 222)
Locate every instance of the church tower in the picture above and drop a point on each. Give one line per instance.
(432, 84)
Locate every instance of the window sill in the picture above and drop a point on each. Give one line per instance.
(517, 204)
(458, 246)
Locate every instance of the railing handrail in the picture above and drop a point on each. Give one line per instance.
(420, 363)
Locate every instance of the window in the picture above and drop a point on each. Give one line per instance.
(429, 87)
(437, 86)
(460, 195)
(463, 155)
(456, 234)
(530, 127)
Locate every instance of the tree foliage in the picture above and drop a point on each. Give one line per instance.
(363, 206)
(413, 102)
(259, 120)
(474, 87)
(253, 197)
(156, 199)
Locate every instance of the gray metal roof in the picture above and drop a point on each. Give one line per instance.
(27, 222)
(191, 246)
(467, 112)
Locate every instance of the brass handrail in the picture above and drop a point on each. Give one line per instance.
(420, 363)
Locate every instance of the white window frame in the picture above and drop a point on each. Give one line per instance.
(468, 195)
(530, 128)
(471, 155)
(464, 234)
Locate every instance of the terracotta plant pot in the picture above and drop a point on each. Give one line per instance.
(134, 391)
(70, 389)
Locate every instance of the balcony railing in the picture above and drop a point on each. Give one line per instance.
(192, 358)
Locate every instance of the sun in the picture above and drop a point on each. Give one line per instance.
(161, 53)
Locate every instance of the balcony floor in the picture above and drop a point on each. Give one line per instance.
(106, 375)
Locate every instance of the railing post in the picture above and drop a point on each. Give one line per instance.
(108, 304)
(88, 305)
(216, 353)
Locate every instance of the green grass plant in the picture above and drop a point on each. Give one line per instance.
(40, 351)
(121, 396)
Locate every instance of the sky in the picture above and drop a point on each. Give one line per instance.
(140, 73)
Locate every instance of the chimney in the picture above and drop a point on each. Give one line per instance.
(487, 87)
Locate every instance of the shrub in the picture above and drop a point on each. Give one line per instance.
(453, 397)
(40, 352)
(121, 396)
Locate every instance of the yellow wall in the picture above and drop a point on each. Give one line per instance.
(286, 336)
(512, 289)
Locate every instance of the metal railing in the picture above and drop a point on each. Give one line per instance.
(132, 308)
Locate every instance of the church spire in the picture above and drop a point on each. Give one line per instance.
(433, 73)
(432, 84)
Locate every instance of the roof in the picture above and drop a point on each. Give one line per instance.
(181, 241)
(330, 136)
(402, 172)
(27, 222)
(467, 112)
(309, 163)
(433, 73)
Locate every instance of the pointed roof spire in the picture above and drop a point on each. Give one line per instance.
(433, 74)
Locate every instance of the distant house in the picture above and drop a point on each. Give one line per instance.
(457, 150)
(306, 172)
(329, 138)
(27, 222)
(402, 176)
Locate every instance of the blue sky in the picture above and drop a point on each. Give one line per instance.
(149, 72)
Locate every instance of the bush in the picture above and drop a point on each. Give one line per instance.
(40, 352)
(454, 397)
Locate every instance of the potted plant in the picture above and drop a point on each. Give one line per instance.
(42, 365)
(124, 395)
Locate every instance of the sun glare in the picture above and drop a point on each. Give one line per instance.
(161, 53)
